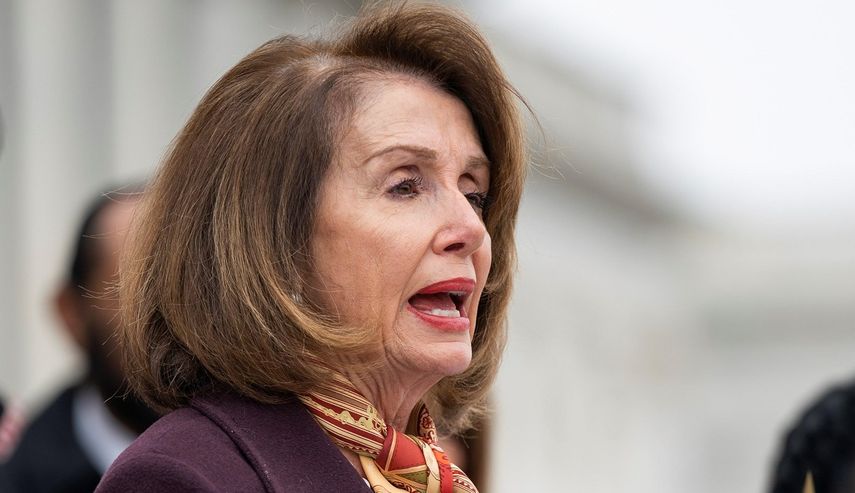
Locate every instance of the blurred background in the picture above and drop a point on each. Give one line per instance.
(687, 241)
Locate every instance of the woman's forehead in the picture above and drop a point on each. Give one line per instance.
(413, 117)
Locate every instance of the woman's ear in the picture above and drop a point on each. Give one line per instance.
(68, 307)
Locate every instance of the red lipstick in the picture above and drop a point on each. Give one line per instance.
(458, 284)
(442, 304)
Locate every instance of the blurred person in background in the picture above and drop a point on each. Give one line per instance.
(317, 263)
(822, 441)
(70, 444)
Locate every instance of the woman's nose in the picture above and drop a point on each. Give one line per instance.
(461, 230)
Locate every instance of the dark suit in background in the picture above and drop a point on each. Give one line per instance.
(49, 458)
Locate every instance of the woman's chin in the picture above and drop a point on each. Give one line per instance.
(448, 360)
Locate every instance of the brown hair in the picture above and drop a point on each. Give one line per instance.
(214, 283)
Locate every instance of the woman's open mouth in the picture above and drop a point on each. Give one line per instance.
(443, 304)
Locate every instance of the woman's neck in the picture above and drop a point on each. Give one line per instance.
(394, 397)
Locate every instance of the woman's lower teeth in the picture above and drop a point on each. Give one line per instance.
(445, 313)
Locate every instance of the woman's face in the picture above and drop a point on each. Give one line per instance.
(399, 240)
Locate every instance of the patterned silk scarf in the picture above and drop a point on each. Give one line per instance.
(393, 461)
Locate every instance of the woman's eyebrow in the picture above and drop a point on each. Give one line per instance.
(418, 151)
(427, 153)
(476, 162)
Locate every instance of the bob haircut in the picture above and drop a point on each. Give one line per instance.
(214, 283)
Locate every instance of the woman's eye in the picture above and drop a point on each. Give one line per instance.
(407, 187)
(479, 200)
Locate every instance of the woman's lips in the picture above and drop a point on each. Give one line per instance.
(443, 304)
(451, 324)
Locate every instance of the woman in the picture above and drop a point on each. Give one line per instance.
(325, 254)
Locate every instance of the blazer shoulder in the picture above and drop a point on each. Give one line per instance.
(150, 471)
(183, 451)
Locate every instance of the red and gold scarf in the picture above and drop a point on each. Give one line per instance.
(392, 461)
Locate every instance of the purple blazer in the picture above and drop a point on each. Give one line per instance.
(231, 443)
